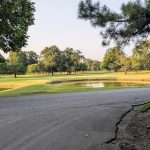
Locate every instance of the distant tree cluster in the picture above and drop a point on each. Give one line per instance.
(116, 60)
(17, 62)
(51, 60)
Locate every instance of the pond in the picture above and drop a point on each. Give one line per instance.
(106, 84)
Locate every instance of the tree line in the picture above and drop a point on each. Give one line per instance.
(51, 60)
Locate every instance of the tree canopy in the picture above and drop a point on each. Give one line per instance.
(32, 57)
(132, 23)
(73, 59)
(15, 18)
(141, 56)
(112, 59)
(17, 63)
(50, 57)
(33, 68)
(91, 65)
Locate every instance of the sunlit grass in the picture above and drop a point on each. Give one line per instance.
(28, 84)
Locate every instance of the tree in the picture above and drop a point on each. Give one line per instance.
(73, 60)
(17, 63)
(96, 65)
(41, 67)
(76, 58)
(32, 57)
(2, 59)
(89, 64)
(49, 57)
(61, 66)
(3, 65)
(33, 68)
(132, 23)
(125, 63)
(136, 64)
(141, 56)
(15, 18)
(111, 60)
(69, 59)
(83, 67)
(3, 68)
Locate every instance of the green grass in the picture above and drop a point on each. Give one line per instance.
(49, 89)
(145, 107)
(31, 84)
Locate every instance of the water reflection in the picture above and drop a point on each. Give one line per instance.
(101, 84)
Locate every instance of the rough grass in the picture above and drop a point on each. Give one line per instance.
(145, 107)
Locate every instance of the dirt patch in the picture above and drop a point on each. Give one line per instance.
(134, 132)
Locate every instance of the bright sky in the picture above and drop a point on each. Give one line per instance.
(56, 23)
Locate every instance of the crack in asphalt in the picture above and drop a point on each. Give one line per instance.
(26, 114)
(115, 138)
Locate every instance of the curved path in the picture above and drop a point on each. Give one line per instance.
(78, 121)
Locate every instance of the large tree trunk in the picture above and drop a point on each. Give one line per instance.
(15, 75)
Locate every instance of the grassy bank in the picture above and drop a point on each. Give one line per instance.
(145, 107)
(31, 84)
